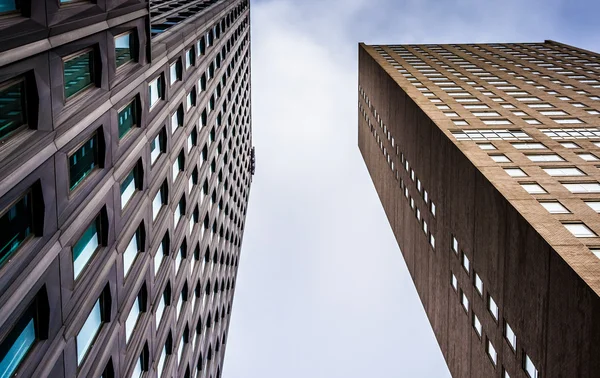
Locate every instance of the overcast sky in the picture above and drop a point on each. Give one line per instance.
(322, 289)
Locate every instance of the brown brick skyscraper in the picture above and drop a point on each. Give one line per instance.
(486, 160)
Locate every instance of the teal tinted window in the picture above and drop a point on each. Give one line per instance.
(17, 344)
(8, 6)
(83, 161)
(87, 334)
(15, 225)
(78, 73)
(127, 118)
(124, 48)
(85, 247)
(13, 113)
(128, 188)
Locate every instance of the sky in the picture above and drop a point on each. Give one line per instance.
(322, 289)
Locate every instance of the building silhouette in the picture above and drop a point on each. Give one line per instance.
(125, 167)
(486, 159)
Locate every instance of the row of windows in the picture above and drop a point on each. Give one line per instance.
(493, 310)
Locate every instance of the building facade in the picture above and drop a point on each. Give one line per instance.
(486, 159)
(125, 166)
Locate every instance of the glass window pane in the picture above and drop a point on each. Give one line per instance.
(128, 188)
(155, 91)
(13, 112)
(17, 344)
(16, 225)
(127, 118)
(132, 319)
(85, 247)
(78, 73)
(131, 253)
(7, 6)
(83, 161)
(87, 334)
(124, 49)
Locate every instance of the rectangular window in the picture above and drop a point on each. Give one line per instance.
(588, 157)
(133, 248)
(545, 158)
(579, 230)
(533, 188)
(515, 172)
(478, 284)
(132, 318)
(477, 325)
(124, 48)
(500, 158)
(464, 301)
(177, 119)
(584, 187)
(16, 225)
(15, 347)
(163, 302)
(155, 91)
(87, 334)
(510, 336)
(127, 118)
(529, 146)
(129, 186)
(78, 72)
(529, 367)
(158, 202)
(175, 71)
(83, 161)
(87, 245)
(568, 171)
(454, 245)
(569, 145)
(466, 263)
(491, 351)
(493, 307)
(13, 113)
(554, 207)
(157, 146)
(190, 58)
(454, 282)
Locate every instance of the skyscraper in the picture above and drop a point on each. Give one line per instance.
(125, 169)
(486, 159)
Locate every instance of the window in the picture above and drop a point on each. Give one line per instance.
(132, 182)
(156, 91)
(554, 207)
(87, 245)
(89, 330)
(160, 199)
(178, 165)
(486, 146)
(175, 71)
(515, 172)
(454, 282)
(192, 140)
(17, 226)
(179, 212)
(588, 157)
(177, 119)
(492, 307)
(134, 314)
(7, 7)
(491, 351)
(569, 145)
(544, 158)
(141, 366)
(128, 118)
(594, 205)
(568, 171)
(78, 72)
(500, 158)
(529, 367)
(529, 146)
(478, 284)
(164, 354)
(465, 262)
(14, 105)
(510, 336)
(163, 302)
(190, 99)
(201, 46)
(190, 58)
(494, 122)
(158, 145)
(584, 187)
(83, 161)
(533, 188)
(579, 230)
(464, 301)
(477, 325)
(17, 344)
(161, 252)
(124, 48)
(135, 246)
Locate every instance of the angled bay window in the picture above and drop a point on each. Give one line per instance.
(125, 48)
(163, 302)
(128, 117)
(131, 184)
(156, 90)
(142, 363)
(201, 46)
(166, 351)
(178, 165)
(160, 199)
(84, 160)
(158, 145)
(99, 315)
(88, 243)
(161, 252)
(177, 119)
(17, 225)
(13, 108)
(202, 83)
(179, 212)
(190, 58)
(190, 100)
(180, 256)
(31, 327)
(135, 246)
(139, 306)
(175, 71)
(193, 180)
(183, 297)
(79, 71)
(192, 140)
